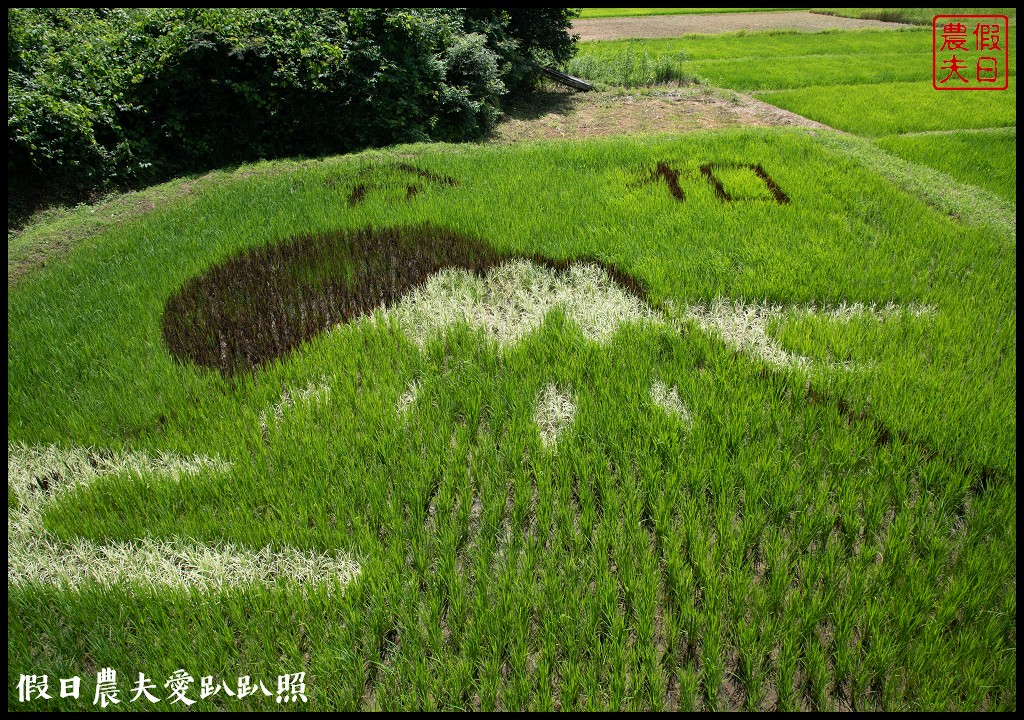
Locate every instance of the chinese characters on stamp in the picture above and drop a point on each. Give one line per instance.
(970, 52)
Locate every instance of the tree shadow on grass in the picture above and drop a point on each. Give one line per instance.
(550, 98)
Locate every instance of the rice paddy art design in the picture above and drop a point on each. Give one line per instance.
(730, 181)
(263, 304)
(513, 297)
(412, 178)
(40, 475)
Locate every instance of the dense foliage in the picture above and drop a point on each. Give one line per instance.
(108, 97)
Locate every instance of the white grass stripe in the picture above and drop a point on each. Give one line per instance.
(170, 563)
(668, 400)
(554, 413)
(40, 475)
(744, 326)
(514, 298)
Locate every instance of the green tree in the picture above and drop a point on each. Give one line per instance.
(104, 98)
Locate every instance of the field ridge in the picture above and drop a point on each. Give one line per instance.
(963, 201)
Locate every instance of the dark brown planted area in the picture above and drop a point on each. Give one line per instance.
(264, 303)
(671, 178)
(417, 176)
(708, 171)
(664, 171)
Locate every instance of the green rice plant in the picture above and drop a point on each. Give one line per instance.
(896, 108)
(987, 159)
(631, 68)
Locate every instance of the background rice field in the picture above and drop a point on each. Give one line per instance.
(985, 158)
(870, 83)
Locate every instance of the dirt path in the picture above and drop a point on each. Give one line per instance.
(658, 26)
(564, 115)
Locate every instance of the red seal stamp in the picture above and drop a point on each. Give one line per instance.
(970, 52)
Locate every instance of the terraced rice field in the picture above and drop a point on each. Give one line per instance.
(875, 84)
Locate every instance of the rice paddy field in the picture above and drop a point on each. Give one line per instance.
(718, 420)
(875, 84)
(977, 158)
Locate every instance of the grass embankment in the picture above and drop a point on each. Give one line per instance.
(986, 158)
(535, 528)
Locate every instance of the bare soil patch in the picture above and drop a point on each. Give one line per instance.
(660, 26)
(567, 115)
